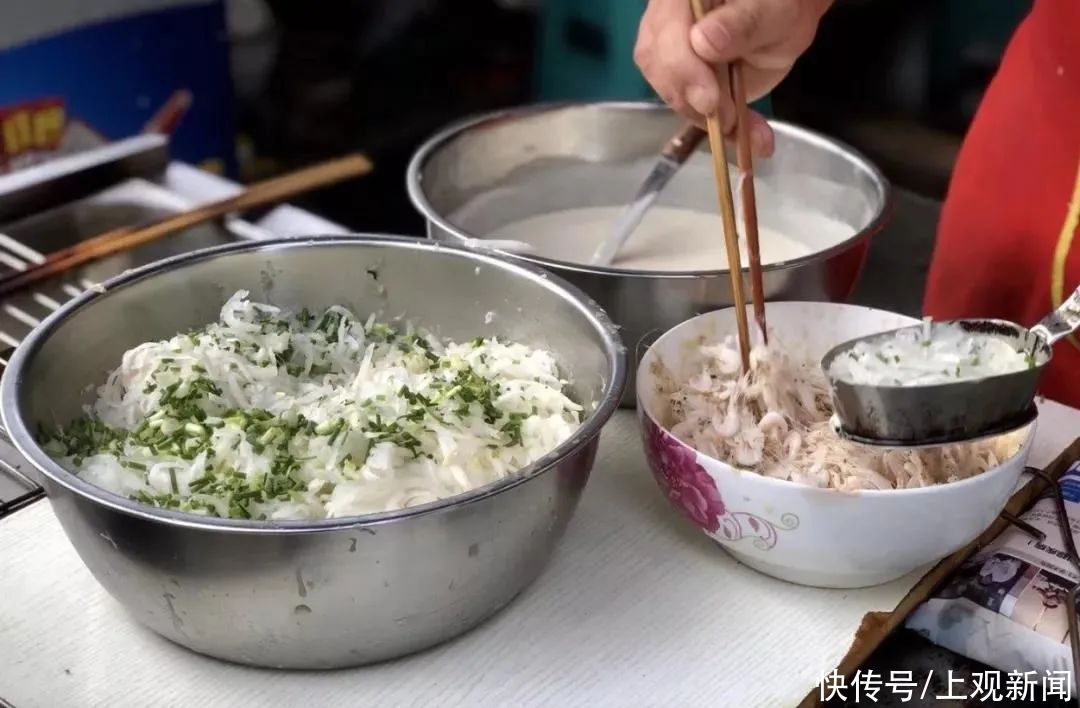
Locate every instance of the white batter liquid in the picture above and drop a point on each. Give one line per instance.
(668, 238)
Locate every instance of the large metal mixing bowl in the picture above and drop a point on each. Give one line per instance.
(486, 172)
(336, 592)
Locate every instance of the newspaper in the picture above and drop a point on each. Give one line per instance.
(1006, 606)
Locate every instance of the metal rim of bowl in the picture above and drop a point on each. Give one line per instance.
(414, 186)
(642, 378)
(27, 446)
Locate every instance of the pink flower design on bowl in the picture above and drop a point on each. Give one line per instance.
(683, 480)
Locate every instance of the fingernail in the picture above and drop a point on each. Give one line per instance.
(701, 99)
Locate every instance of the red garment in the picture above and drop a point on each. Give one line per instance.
(1008, 206)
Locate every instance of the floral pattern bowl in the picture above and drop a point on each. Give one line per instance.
(806, 535)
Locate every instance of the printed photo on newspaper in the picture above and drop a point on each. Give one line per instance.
(1006, 606)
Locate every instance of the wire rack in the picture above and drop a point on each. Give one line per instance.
(22, 313)
(18, 316)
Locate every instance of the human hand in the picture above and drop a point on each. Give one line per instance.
(679, 57)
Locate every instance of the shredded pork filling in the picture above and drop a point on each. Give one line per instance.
(774, 420)
(273, 415)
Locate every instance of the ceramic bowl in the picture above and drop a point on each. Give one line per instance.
(802, 534)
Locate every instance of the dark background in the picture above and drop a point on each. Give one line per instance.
(898, 79)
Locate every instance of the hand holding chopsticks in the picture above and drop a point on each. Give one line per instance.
(727, 206)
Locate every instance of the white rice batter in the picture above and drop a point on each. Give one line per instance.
(668, 238)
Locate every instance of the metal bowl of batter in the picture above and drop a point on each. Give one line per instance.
(557, 176)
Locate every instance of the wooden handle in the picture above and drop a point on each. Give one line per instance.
(169, 115)
(294, 183)
(126, 238)
(683, 144)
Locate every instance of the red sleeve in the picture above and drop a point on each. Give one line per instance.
(1004, 246)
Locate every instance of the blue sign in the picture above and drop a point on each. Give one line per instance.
(161, 70)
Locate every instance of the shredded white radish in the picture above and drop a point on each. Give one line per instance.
(923, 356)
(773, 420)
(272, 415)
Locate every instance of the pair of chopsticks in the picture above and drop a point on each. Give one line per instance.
(126, 238)
(744, 160)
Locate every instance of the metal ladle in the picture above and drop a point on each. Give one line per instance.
(959, 411)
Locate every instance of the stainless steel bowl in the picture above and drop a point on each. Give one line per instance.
(483, 173)
(336, 592)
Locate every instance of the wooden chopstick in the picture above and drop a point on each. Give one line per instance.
(126, 238)
(745, 162)
(727, 214)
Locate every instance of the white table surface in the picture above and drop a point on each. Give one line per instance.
(637, 608)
